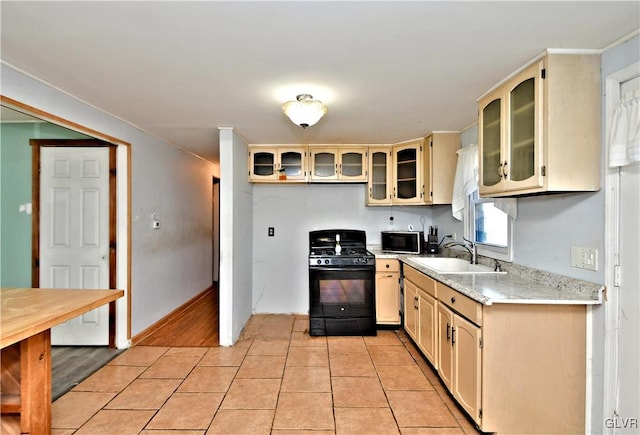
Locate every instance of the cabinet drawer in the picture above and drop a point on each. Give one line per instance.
(464, 305)
(387, 265)
(421, 280)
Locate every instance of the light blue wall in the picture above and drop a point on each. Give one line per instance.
(280, 268)
(15, 179)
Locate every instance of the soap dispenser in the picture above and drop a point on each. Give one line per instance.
(338, 248)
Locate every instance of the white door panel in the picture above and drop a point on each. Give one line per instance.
(629, 341)
(74, 233)
(622, 310)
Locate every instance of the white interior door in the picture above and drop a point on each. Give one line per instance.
(629, 291)
(622, 310)
(74, 234)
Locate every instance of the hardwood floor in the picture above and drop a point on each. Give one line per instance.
(198, 326)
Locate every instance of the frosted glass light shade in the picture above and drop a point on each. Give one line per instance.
(305, 111)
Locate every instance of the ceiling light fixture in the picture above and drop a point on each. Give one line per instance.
(305, 111)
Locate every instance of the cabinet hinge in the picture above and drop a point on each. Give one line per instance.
(544, 73)
(431, 143)
(480, 342)
(113, 172)
(543, 170)
(616, 275)
(480, 413)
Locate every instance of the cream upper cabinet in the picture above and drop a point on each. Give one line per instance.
(345, 164)
(407, 173)
(278, 164)
(539, 131)
(379, 186)
(440, 160)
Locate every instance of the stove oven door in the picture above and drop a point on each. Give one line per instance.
(342, 292)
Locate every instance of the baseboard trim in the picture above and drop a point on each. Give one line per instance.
(172, 316)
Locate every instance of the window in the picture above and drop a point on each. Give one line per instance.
(489, 227)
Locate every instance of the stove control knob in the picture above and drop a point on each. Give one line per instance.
(319, 261)
(326, 261)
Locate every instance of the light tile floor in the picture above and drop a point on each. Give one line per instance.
(275, 380)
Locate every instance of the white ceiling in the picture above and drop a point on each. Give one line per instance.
(388, 71)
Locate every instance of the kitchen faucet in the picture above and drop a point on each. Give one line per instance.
(469, 245)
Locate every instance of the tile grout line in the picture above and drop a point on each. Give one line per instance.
(156, 411)
(102, 408)
(386, 396)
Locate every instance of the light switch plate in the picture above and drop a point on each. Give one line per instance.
(584, 258)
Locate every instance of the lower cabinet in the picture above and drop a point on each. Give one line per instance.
(411, 309)
(420, 310)
(388, 292)
(460, 359)
(514, 368)
(427, 327)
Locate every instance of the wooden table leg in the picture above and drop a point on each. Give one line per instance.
(35, 385)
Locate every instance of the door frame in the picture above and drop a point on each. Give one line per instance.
(215, 192)
(123, 233)
(611, 248)
(36, 147)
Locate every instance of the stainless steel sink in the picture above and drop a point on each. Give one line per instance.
(446, 265)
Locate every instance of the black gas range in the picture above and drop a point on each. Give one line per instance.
(341, 283)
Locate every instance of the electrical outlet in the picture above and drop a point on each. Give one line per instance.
(584, 258)
(271, 232)
(155, 225)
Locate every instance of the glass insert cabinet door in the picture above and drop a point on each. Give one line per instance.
(291, 163)
(378, 175)
(522, 131)
(338, 164)
(324, 164)
(263, 164)
(407, 177)
(491, 135)
(351, 164)
(277, 164)
(510, 134)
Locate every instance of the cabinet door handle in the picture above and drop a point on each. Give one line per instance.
(453, 299)
(388, 276)
(504, 169)
(500, 170)
(453, 336)
(448, 331)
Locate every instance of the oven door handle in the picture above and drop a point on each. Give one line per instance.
(342, 269)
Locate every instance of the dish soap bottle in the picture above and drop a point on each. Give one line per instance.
(338, 248)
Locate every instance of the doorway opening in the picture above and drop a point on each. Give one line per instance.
(74, 229)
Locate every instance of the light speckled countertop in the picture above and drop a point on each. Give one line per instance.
(520, 285)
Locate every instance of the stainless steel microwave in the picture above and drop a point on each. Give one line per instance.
(404, 242)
